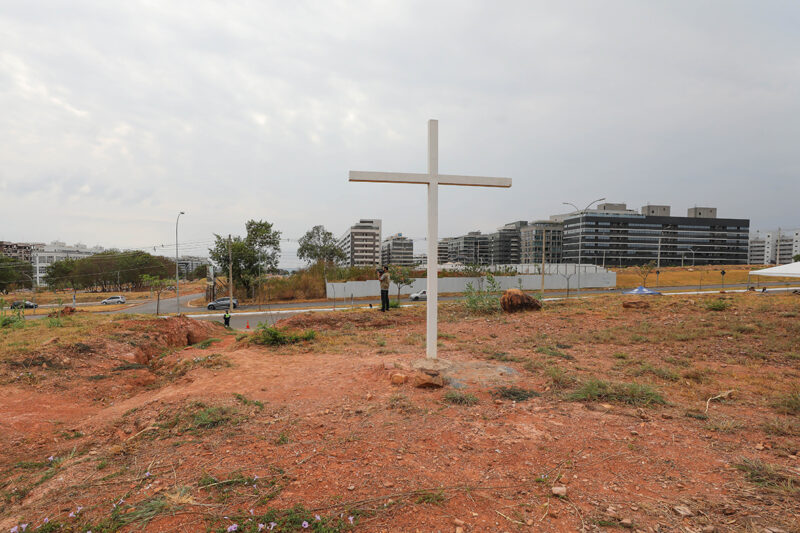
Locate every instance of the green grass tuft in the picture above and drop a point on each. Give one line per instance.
(460, 398)
(515, 393)
(631, 393)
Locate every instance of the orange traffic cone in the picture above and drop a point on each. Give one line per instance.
(248, 325)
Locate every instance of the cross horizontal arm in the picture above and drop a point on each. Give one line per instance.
(442, 179)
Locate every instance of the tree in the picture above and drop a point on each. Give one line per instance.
(401, 275)
(156, 285)
(257, 252)
(199, 272)
(14, 273)
(61, 274)
(796, 257)
(643, 271)
(318, 245)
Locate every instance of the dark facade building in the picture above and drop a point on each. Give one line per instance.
(397, 250)
(504, 244)
(621, 237)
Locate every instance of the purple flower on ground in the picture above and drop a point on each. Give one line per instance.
(317, 518)
(72, 515)
(272, 525)
(305, 524)
(15, 529)
(147, 474)
(251, 512)
(51, 458)
(46, 520)
(25, 526)
(350, 518)
(232, 527)
(261, 526)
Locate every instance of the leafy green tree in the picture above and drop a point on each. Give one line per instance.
(14, 273)
(318, 245)
(108, 270)
(199, 272)
(257, 252)
(401, 276)
(796, 257)
(60, 275)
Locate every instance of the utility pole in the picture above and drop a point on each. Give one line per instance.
(230, 275)
(177, 278)
(544, 248)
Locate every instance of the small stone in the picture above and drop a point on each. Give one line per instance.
(458, 522)
(634, 432)
(626, 522)
(560, 491)
(369, 396)
(666, 416)
(708, 529)
(399, 379)
(388, 484)
(611, 512)
(351, 487)
(683, 511)
(459, 529)
(529, 522)
(759, 446)
(498, 402)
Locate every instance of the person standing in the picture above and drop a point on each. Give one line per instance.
(385, 279)
(227, 318)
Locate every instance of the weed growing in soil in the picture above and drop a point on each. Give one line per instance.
(788, 404)
(766, 475)
(560, 378)
(780, 427)
(432, 497)
(663, 373)
(723, 425)
(197, 417)
(631, 393)
(460, 398)
(298, 518)
(483, 301)
(515, 393)
(214, 360)
(244, 400)
(716, 305)
(504, 357)
(553, 352)
(283, 438)
(205, 344)
(271, 336)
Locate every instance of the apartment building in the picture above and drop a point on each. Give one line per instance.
(469, 249)
(774, 247)
(397, 250)
(361, 243)
(504, 244)
(20, 251)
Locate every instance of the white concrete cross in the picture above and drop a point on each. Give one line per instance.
(432, 179)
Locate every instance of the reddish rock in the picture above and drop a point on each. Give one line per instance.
(514, 300)
(637, 304)
(424, 381)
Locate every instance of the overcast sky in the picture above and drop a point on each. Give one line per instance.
(115, 116)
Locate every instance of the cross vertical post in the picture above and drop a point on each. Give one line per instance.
(431, 336)
(432, 179)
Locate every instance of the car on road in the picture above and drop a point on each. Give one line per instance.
(23, 304)
(421, 295)
(223, 303)
(111, 300)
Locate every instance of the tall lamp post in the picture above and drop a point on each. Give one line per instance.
(177, 278)
(580, 236)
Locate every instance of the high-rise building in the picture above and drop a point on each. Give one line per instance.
(774, 247)
(188, 263)
(540, 234)
(361, 243)
(617, 236)
(397, 250)
(504, 244)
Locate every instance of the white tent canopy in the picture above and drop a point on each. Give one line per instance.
(789, 270)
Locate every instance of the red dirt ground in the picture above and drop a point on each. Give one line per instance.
(321, 425)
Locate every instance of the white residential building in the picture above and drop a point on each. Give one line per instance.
(397, 250)
(43, 255)
(361, 243)
(774, 247)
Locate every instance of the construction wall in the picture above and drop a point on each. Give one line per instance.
(589, 280)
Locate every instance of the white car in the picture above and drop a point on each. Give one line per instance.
(111, 300)
(421, 295)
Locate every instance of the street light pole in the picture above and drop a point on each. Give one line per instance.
(692, 250)
(580, 236)
(177, 278)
